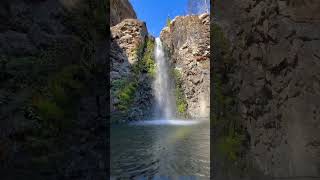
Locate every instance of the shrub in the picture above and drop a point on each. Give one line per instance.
(152, 70)
(182, 107)
(48, 110)
(168, 21)
(146, 62)
(230, 146)
(117, 84)
(148, 58)
(125, 89)
(56, 104)
(181, 102)
(126, 96)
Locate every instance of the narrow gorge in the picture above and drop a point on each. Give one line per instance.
(134, 69)
(142, 89)
(160, 91)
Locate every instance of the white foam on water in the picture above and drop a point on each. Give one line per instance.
(175, 122)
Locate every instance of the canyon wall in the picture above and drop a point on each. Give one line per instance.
(274, 50)
(187, 40)
(120, 10)
(131, 84)
(51, 52)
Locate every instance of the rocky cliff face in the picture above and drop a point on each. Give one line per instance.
(47, 111)
(274, 46)
(187, 40)
(120, 10)
(131, 47)
(128, 35)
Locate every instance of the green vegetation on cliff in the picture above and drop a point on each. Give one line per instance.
(168, 21)
(43, 86)
(181, 102)
(125, 89)
(225, 118)
(148, 58)
(126, 94)
(146, 62)
(56, 103)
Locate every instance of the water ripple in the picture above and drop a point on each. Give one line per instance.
(169, 148)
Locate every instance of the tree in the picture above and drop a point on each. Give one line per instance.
(198, 6)
(207, 6)
(168, 21)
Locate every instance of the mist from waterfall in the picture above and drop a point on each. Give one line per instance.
(163, 85)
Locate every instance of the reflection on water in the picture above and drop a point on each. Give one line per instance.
(177, 149)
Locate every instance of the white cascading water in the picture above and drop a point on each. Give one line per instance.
(163, 86)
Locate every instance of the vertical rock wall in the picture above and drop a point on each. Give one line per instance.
(275, 49)
(127, 45)
(131, 93)
(48, 106)
(120, 10)
(188, 41)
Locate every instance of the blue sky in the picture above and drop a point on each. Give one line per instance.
(156, 12)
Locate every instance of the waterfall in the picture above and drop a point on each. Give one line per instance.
(163, 86)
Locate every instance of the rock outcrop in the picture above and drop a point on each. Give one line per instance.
(129, 35)
(128, 38)
(276, 57)
(131, 92)
(120, 10)
(187, 40)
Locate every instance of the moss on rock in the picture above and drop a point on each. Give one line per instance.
(181, 102)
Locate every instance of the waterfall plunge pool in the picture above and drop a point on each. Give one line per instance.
(176, 122)
(161, 149)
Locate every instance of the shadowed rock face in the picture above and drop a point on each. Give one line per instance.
(127, 38)
(275, 49)
(120, 10)
(128, 41)
(38, 39)
(187, 40)
(301, 10)
(129, 35)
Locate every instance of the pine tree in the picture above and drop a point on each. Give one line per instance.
(198, 6)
